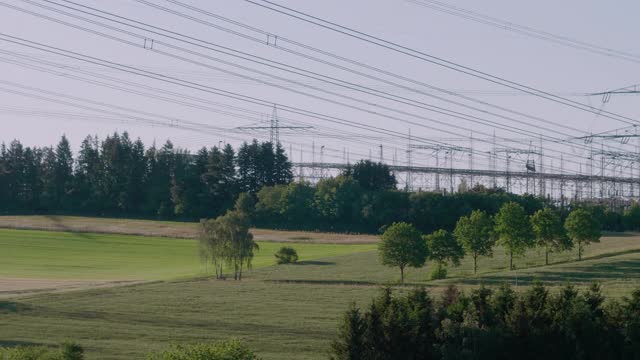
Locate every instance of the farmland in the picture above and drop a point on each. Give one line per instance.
(153, 292)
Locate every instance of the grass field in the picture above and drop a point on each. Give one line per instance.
(64, 255)
(283, 312)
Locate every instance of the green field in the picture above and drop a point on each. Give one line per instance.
(283, 312)
(63, 255)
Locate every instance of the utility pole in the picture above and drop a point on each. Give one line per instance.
(561, 182)
(471, 160)
(321, 162)
(409, 182)
(450, 171)
(541, 187)
(301, 168)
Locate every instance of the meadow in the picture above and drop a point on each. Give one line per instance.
(282, 311)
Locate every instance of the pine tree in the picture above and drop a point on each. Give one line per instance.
(88, 177)
(63, 174)
(282, 167)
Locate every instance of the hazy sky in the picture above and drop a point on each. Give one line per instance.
(541, 64)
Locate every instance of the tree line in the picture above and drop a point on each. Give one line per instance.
(119, 176)
(492, 324)
(402, 245)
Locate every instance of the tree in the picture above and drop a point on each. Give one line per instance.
(632, 218)
(513, 230)
(402, 246)
(281, 167)
(63, 173)
(549, 233)
(583, 228)
(372, 176)
(350, 342)
(337, 201)
(213, 245)
(443, 247)
(227, 240)
(246, 205)
(235, 226)
(476, 236)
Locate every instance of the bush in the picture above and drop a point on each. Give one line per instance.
(71, 351)
(286, 255)
(439, 272)
(223, 350)
(67, 351)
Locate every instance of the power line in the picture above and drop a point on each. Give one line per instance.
(154, 50)
(525, 30)
(557, 140)
(280, 47)
(389, 45)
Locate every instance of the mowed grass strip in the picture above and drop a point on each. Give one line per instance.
(65, 255)
(174, 229)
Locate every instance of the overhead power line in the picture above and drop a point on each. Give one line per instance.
(466, 117)
(420, 55)
(526, 30)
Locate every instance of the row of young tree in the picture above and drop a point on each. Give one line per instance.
(119, 176)
(492, 324)
(402, 244)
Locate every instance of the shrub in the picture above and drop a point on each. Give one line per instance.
(286, 255)
(67, 351)
(439, 272)
(71, 351)
(223, 350)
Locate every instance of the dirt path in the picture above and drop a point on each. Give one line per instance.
(14, 287)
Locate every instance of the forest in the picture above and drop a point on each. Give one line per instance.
(121, 177)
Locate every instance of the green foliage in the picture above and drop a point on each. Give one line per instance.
(71, 351)
(583, 228)
(439, 272)
(549, 232)
(401, 246)
(475, 233)
(245, 204)
(118, 176)
(390, 328)
(496, 325)
(372, 176)
(223, 350)
(67, 351)
(286, 255)
(227, 239)
(351, 336)
(443, 247)
(631, 218)
(513, 229)
(337, 202)
(26, 353)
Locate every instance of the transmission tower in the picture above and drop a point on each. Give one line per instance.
(274, 127)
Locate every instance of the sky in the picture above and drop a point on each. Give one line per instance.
(45, 95)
